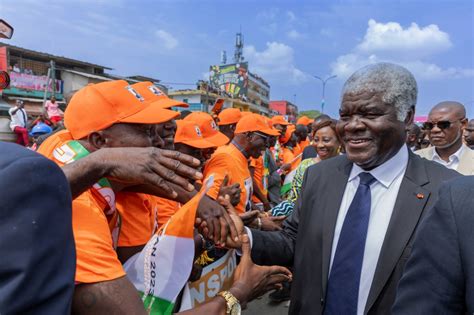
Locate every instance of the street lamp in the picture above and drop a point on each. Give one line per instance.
(324, 88)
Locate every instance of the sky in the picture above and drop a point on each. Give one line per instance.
(285, 42)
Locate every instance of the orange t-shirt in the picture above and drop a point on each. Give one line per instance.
(258, 176)
(297, 150)
(138, 213)
(166, 209)
(229, 160)
(95, 232)
(303, 144)
(289, 157)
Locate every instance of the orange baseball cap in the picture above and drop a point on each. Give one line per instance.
(304, 120)
(151, 93)
(189, 133)
(98, 106)
(279, 120)
(254, 122)
(229, 116)
(208, 127)
(289, 131)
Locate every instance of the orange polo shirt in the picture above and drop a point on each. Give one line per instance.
(304, 144)
(229, 160)
(289, 157)
(138, 213)
(258, 176)
(95, 226)
(166, 209)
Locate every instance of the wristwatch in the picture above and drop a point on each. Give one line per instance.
(233, 305)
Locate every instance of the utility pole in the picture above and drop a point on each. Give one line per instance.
(51, 76)
(324, 81)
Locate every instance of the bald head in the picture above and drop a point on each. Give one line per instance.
(457, 109)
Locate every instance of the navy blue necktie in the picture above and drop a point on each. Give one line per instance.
(343, 284)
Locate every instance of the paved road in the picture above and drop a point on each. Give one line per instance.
(264, 306)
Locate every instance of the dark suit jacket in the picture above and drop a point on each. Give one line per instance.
(439, 276)
(37, 255)
(306, 239)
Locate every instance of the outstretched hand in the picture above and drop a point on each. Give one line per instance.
(252, 281)
(233, 191)
(214, 220)
(150, 166)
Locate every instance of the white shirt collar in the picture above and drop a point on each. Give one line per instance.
(388, 171)
(456, 156)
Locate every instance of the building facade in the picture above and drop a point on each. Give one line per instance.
(285, 108)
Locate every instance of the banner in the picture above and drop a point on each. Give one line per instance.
(3, 59)
(215, 278)
(231, 78)
(33, 82)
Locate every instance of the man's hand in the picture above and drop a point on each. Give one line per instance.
(151, 166)
(268, 223)
(233, 191)
(214, 220)
(134, 167)
(249, 216)
(252, 281)
(285, 167)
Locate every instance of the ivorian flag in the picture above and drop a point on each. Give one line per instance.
(286, 187)
(161, 270)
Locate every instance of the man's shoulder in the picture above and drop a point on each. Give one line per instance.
(427, 153)
(12, 153)
(434, 172)
(328, 166)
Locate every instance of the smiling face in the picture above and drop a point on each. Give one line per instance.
(370, 129)
(326, 142)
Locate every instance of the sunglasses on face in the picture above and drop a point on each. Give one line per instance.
(442, 124)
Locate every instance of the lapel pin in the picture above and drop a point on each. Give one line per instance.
(420, 196)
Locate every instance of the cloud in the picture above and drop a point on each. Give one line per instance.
(294, 34)
(169, 42)
(409, 47)
(275, 62)
(392, 38)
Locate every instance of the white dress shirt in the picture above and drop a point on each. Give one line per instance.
(384, 193)
(454, 158)
(18, 119)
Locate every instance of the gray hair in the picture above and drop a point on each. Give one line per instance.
(395, 83)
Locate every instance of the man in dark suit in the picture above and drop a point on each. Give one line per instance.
(353, 225)
(438, 276)
(37, 252)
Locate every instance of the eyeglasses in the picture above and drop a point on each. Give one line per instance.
(442, 124)
(265, 137)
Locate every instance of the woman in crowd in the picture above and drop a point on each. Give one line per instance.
(327, 145)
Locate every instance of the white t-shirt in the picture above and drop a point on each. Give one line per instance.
(19, 119)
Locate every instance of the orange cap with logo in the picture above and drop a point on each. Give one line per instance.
(287, 136)
(279, 120)
(152, 93)
(229, 116)
(189, 133)
(99, 106)
(270, 124)
(208, 127)
(304, 120)
(254, 122)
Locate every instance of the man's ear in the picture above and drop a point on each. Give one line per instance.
(464, 122)
(97, 139)
(410, 116)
